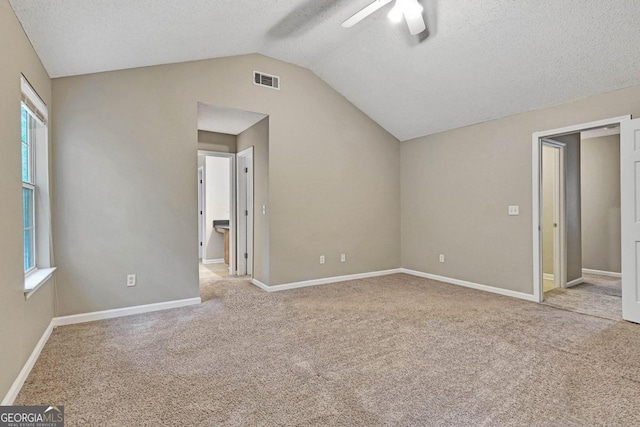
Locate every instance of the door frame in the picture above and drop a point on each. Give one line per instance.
(559, 212)
(536, 216)
(244, 159)
(232, 204)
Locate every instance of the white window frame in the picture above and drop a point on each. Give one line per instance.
(42, 269)
(30, 184)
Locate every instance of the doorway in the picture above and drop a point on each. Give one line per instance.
(216, 213)
(240, 140)
(575, 211)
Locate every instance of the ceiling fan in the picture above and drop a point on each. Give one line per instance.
(411, 10)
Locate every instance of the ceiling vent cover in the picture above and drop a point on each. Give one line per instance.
(262, 79)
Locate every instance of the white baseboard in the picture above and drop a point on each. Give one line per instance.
(547, 276)
(324, 281)
(121, 312)
(486, 288)
(261, 285)
(26, 369)
(213, 261)
(575, 282)
(601, 273)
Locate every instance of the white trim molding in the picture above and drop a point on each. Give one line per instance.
(325, 281)
(575, 282)
(26, 369)
(36, 279)
(536, 154)
(547, 276)
(213, 261)
(601, 273)
(478, 286)
(329, 280)
(121, 312)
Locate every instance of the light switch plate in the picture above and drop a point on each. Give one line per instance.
(514, 210)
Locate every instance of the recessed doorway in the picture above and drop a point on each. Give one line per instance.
(577, 218)
(227, 142)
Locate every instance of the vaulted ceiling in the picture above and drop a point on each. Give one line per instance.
(482, 59)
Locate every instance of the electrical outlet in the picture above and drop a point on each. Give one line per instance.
(131, 280)
(264, 209)
(321, 259)
(441, 258)
(343, 257)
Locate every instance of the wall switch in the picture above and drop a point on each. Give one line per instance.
(441, 258)
(321, 259)
(131, 280)
(514, 210)
(343, 257)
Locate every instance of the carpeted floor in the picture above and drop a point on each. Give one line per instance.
(393, 350)
(598, 296)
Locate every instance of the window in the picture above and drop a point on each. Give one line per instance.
(35, 189)
(28, 187)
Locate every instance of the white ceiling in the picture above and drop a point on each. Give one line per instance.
(484, 59)
(214, 118)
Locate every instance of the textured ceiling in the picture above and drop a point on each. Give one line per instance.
(213, 118)
(483, 59)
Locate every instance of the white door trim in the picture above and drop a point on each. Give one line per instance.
(536, 144)
(232, 203)
(244, 181)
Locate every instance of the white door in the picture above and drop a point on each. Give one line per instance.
(630, 201)
(245, 212)
(200, 210)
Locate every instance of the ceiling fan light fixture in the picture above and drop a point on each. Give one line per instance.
(396, 14)
(412, 7)
(405, 8)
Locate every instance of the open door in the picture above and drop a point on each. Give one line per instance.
(630, 201)
(245, 212)
(200, 211)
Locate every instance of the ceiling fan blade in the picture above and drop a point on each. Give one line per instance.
(415, 21)
(359, 16)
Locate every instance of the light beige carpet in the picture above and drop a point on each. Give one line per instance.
(393, 350)
(597, 296)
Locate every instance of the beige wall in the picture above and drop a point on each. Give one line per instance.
(548, 183)
(257, 136)
(22, 322)
(214, 141)
(456, 187)
(132, 136)
(601, 203)
(218, 204)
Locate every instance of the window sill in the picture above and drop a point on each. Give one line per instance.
(36, 279)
